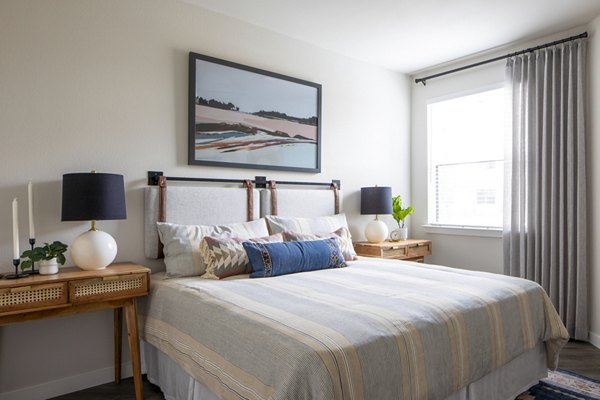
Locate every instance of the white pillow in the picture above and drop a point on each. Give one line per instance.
(182, 243)
(316, 225)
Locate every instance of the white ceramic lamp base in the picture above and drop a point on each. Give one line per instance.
(376, 231)
(93, 250)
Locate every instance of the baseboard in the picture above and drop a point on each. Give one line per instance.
(68, 384)
(595, 339)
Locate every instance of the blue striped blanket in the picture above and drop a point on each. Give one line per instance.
(378, 329)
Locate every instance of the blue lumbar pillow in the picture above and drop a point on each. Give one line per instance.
(272, 259)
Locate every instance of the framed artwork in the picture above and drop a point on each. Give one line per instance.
(246, 117)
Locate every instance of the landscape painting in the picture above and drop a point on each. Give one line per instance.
(246, 117)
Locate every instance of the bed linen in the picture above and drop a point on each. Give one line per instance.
(504, 383)
(379, 329)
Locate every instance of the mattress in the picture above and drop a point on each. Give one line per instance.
(379, 329)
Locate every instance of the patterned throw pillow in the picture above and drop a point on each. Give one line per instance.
(317, 225)
(272, 259)
(343, 234)
(182, 243)
(225, 256)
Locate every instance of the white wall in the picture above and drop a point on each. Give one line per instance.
(485, 253)
(594, 179)
(470, 252)
(102, 84)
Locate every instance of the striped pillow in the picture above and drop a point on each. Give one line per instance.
(343, 234)
(225, 256)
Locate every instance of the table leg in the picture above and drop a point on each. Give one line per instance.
(134, 346)
(118, 328)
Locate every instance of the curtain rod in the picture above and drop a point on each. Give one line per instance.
(259, 181)
(477, 64)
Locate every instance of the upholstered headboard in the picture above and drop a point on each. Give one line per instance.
(300, 202)
(195, 206)
(201, 205)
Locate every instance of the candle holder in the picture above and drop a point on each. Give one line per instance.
(33, 270)
(16, 274)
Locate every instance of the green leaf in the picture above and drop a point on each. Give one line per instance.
(26, 264)
(47, 252)
(398, 212)
(27, 254)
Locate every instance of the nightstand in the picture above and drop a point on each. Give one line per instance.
(74, 291)
(409, 250)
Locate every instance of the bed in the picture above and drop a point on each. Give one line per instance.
(377, 329)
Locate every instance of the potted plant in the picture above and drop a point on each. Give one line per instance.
(400, 215)
(48, 257)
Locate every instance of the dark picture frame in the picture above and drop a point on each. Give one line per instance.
(246, 117)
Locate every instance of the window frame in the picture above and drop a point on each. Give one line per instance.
(448, 229)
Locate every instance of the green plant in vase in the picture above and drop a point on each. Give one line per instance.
(48, 256)
(399, 213)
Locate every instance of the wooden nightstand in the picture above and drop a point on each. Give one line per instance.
(409, 250)
(74, 291)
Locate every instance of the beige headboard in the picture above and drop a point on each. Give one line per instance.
(202, 205)
(194, 206)
(300, 202)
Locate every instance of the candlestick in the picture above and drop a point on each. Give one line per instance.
(15, 212)
(33, 270)
(30, 204)
(16, 275)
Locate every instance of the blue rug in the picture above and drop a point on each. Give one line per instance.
(563, 385)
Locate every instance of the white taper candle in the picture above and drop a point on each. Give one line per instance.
(30, 198)
(15, 210)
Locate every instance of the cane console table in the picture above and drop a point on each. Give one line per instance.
(74, 291)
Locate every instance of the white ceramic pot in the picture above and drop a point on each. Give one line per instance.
(48, 267)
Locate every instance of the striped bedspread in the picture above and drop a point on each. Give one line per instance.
(379, 329)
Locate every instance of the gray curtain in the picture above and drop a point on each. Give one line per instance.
(545, 233)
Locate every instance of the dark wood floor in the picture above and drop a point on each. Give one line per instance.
(579, 357)
(123, 391)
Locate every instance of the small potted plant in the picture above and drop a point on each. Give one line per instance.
(400, 215)
(48, 257)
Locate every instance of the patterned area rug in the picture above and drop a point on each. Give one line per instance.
(563, 385)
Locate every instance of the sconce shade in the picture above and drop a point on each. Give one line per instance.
(376, 200)
(93, 197)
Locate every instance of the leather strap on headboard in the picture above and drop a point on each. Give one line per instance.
(273, 187)
(162, 208)
(336, 197)
(249, 199)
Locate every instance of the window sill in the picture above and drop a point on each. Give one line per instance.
(463, 231)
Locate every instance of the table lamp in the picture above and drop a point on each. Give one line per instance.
(376, 200)
(93, 197)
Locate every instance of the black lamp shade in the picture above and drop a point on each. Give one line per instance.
(93, 197)
(376, 200)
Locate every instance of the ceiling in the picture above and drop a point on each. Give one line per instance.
(409, 35)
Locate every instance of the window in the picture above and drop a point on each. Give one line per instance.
(466, 160)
